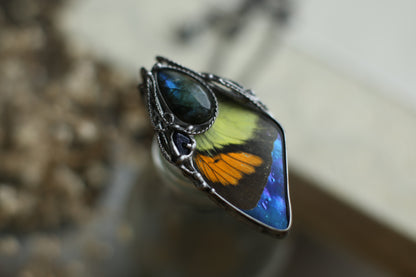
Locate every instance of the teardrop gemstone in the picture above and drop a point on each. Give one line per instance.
(186, 98)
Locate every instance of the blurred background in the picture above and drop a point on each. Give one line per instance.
(80, 197)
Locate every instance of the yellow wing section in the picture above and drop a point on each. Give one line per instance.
(234, 125)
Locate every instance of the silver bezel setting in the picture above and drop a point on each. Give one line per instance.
(165, 125)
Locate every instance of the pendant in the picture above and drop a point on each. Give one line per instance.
(223, 139)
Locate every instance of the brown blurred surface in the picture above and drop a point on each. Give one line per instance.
(337, 223)
(60, 113)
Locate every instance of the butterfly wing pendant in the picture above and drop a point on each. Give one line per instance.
(223, 139)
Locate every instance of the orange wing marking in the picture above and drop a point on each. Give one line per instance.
(227, 169)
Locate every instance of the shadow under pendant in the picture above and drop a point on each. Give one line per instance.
(223, 139)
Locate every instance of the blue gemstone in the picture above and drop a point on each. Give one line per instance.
(272, 209)
(186, 98)
(181, 141)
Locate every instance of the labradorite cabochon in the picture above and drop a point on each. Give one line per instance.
(186, 98)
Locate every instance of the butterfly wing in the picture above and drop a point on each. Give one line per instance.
(234, 155)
